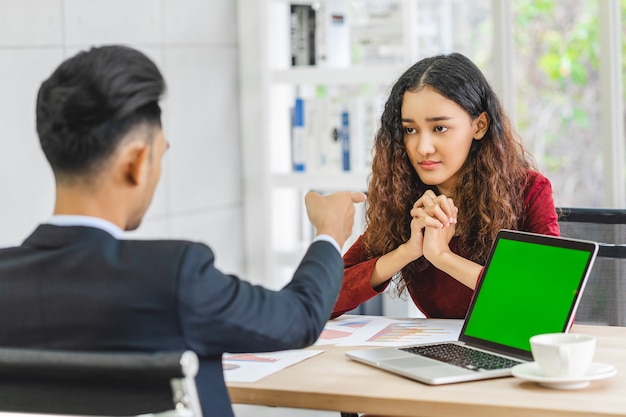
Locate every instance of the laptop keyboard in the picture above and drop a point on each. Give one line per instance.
(462, 356)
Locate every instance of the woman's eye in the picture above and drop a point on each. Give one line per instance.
(440, 129)
(410, 130)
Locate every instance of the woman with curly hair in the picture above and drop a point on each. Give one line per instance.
(448, 173)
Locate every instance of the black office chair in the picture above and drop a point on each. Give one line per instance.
(604, 298)
(48, 382)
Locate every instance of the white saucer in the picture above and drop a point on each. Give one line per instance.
(530, 371)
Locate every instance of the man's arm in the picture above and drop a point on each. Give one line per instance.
(221, 313)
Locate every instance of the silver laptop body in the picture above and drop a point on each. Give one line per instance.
(531, 284)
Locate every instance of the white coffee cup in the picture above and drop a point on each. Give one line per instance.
(566, 355)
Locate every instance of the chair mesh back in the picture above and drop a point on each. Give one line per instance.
(39, 381)
(84, 399)
(604, 299)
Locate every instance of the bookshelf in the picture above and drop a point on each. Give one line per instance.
(337, 76)
(276, 227)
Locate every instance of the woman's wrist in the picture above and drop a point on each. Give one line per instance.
(391, 263)
(459, 268)
(408, 253)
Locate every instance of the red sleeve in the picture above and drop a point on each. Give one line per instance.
(356, 287)
(539, 214)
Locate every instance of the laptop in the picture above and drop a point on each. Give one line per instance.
(530, 284)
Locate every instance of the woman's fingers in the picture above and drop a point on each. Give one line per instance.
(440, 207)
(424, 219)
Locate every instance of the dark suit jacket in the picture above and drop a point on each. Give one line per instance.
(80, 288)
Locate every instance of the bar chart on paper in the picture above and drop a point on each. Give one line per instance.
(250, 367)
(382, 331)
(411, 333)
(343, 327)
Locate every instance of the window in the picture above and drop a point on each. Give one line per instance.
(559, 104)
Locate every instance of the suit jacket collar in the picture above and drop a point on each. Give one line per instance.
(51, 236)
(88, 221)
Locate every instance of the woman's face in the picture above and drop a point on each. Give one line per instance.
(438, 134)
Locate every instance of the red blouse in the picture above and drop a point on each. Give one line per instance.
(437, 294)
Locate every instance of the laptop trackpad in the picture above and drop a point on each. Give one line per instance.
(428, 368)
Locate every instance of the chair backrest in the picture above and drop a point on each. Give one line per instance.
(98, 383)
(604, 299)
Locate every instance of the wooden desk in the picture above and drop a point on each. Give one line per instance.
(330, 381)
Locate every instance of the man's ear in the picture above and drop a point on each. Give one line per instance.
(481, 124)
(135, 163)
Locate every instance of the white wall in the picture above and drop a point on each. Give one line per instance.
(194, 44)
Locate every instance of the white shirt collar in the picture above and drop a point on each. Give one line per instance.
(89, 221)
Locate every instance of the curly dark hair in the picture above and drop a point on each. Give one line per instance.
(489, 192)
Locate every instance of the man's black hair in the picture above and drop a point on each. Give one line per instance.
(91, 101)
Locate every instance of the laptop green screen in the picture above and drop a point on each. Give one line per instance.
(528, 289)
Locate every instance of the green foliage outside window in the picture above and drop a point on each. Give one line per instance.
(557, 52)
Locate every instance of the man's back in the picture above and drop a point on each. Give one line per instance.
(68, 278)
(80, 288)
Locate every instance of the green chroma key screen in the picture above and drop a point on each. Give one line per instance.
(529, 289)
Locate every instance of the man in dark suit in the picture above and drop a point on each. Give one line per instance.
(76, 283)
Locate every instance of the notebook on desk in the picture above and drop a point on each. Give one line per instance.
(530, 284)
